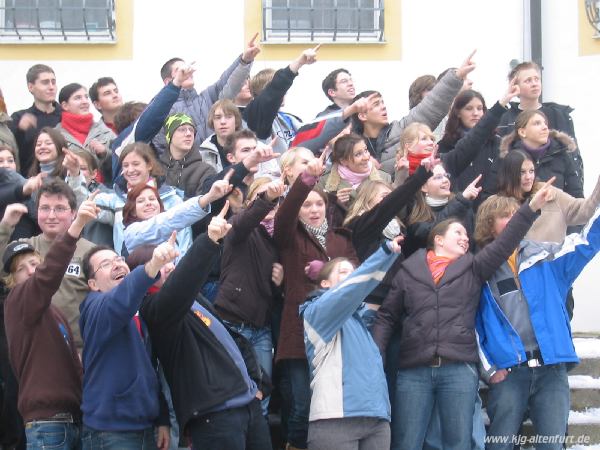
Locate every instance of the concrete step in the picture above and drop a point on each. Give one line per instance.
(588, 350)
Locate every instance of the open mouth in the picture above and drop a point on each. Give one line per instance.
(120, 275)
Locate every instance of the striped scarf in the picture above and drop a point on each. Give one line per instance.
(318, 232)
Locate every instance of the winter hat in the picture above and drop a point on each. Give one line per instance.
(174, 121)
(13, 249)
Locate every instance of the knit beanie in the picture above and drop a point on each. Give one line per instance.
(174, 121)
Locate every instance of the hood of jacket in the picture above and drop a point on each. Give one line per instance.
(509, 142)
(191, 158)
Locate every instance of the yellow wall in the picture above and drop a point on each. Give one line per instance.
(588, 45)
(390, 50)
(122, 49)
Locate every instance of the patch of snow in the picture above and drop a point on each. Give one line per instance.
(585, 447)
(589, 416)
(583, 382)
(587, 347)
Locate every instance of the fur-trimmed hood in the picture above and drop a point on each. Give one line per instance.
(509, 142)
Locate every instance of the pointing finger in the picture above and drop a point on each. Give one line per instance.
(173, 238)
(223, 212)
(92, 196)
(228, 175)
(251, 43)
(476, 180)
(471, 55)
(316, 49)
(549, 183)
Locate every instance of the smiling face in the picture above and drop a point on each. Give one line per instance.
(45, 150)
(423, 144)
(536, 132)
(339, 273)
(453, 243)
(135, 169)
(78, 102)
(108, 270)
(359, 160)
(438, 185)
(54, 215)
(146, 205)
(312, 211)
(471, 113)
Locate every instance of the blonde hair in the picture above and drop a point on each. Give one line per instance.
(495, 207)
(253, 189)
(9, 280)
(258, 82)
(364, 197)
(411, 134)
(288, 158)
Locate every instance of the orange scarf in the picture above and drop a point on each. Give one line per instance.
(437, 265)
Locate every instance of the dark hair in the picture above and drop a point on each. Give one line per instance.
(146, 153)
(523, 66)
(129, 215)
(319, 190)
(509, 174)
(56, 186)
(444, 72)
(86, 266)
(453, 131)
(13, 151)
(357, 125)
(418, 88)
(90, 159)
(100, 83)
(67, 91)
(228, 107)
(167, 68)
(344, 147)
(36, 70)
(328, 267)
(232, 140)
(59, 142)
(329, 82)
(127, 114)
(440, 229)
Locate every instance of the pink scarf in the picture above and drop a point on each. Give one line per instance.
(354, 178)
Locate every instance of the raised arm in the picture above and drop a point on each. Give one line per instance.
(241, 72)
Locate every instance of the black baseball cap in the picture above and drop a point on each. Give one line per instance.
(13, 249)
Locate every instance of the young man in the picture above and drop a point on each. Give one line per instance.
(56, 208)
(213, 375)
(339, 88)
(225, 119)
(383, 136)
(197, 104)
(529, 79)
(120, 384)
(183, 164)
(45, 112)
(107, 99)
(41, 346)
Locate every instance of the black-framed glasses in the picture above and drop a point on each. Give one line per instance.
(108, 263)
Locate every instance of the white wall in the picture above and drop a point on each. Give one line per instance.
(435, 34)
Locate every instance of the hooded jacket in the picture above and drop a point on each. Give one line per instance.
(188, 174)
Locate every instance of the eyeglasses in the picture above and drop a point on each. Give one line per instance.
(58, 210)
(108, 263)
(441, 176)
(185, 129)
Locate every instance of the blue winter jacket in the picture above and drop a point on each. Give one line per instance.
(346, 370)
(546, 273)
(120, 385)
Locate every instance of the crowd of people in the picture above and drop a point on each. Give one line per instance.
(172, 267)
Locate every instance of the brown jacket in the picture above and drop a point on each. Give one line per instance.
(297, 248)
(439, 320)
(40, 343)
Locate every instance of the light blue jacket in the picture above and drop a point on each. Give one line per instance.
(546, 272)
(346, 370)
(158, 229)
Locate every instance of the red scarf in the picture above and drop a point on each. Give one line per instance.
(437, 265)
(78, 125)
(414, 161)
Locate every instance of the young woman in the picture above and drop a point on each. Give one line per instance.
(302, 234)
(550, 150)
(435, 296)
(293, 162)
(517, 179)
(344, 361)
(139, 167)
(466, 112)
(77, 123)
(48, 154)
(251, 276)
(523, 329)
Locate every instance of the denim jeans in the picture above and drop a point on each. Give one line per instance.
(56, 435)
(544, 391)
(232, 429)
(118, 440)
(433, 439)
(452, 388)
(261, 341)
(295, 393)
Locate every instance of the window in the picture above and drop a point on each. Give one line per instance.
(52, 21)
(344, 21)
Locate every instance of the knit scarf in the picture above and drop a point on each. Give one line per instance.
(47, 167)
(536, 153)
(318, 232)
(78, 125)
(414, 161)
(435, 202)
(437, 265)
(354, 178)
(269, 225)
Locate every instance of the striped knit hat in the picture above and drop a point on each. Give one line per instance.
(174, 121)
